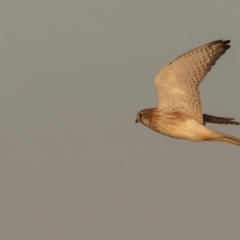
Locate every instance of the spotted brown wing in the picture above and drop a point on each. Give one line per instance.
(177, 83)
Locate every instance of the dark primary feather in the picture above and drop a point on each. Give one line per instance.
(218, 120)
(222, 49)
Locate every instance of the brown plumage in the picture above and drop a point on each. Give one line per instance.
(179, 113)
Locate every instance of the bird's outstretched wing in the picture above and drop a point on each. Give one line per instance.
(177, 83)
(218, 120)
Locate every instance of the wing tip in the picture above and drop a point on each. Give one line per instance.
(222, 43)
(219, 120)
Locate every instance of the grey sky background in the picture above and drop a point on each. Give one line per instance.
(73, 163)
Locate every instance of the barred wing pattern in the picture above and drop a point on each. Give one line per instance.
(177, 83)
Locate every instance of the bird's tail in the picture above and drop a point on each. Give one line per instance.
(222, 137)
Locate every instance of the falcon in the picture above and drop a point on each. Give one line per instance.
(179, 112)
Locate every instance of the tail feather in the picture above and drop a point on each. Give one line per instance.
(222, 137)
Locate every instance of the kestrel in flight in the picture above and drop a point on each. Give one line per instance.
(179, 113)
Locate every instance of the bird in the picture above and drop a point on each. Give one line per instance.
(179, 112)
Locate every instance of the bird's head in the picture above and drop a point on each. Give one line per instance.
(144, 116)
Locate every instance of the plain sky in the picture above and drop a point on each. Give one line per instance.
(73, 163)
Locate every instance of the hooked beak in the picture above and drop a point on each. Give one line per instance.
(137, 119)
